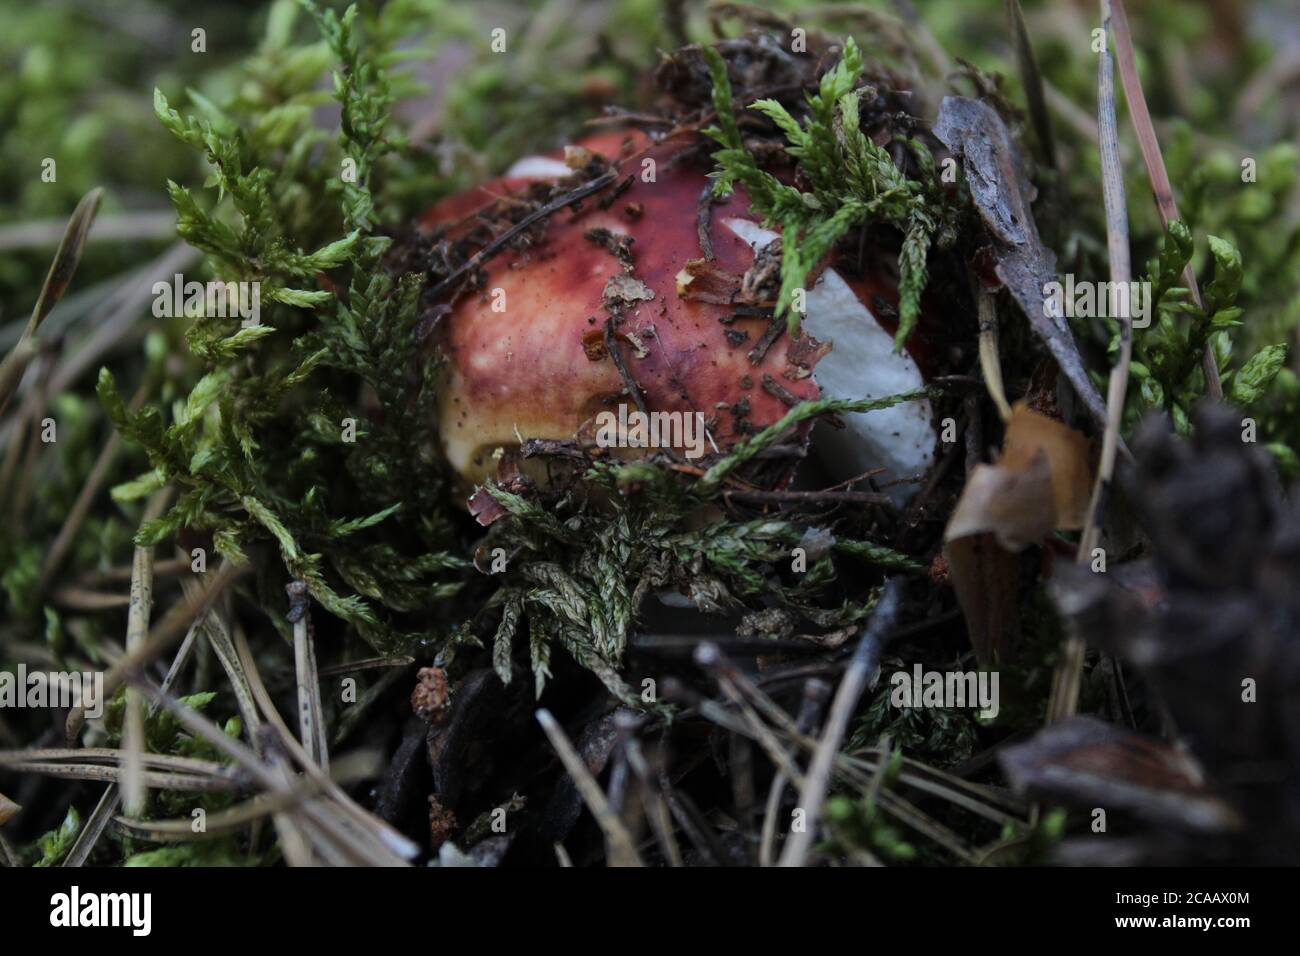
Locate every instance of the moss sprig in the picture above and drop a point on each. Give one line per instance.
(853, 182)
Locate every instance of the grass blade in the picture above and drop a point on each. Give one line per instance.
(1155, 163)
(57, 279)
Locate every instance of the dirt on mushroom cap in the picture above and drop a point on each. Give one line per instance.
(522, 370)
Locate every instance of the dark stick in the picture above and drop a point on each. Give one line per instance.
(817, 781)
(703, 214)
(810, 497)
(495, 246)
(629, 382)
(815, 694)
(769, 336)
(776, 389)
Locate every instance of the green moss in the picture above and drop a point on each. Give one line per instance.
(853, 182)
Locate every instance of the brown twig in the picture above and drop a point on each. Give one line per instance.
(619, 848)
(817, 783)
(815, 693)
(85, 498)
(383, 842)
(708, 656)
(990, 364)
(809, 497)
(620, 364)
(128, 226)
(656, 807)
(1032, 80)
(165, 633)
(366, 664)
(1065, 687)
(134, 792)
(111, 798)
(83, 599)
(311, 715)
(163, 771)
(1155, 163)
(496, 245)
(169, 568)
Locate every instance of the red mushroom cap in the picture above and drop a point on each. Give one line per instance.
(524, 370)
(525, 356)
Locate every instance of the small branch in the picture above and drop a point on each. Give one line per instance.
(817, 783)
(615, 356)
(1117, 22)
(130, 226)
(990, 363)
(809, 497)
(112, 796)
(619, 848)
(85, 498)
(1032, 80)
(708, 656)
(170, 568)
(1065, 687)
(311, 720)
(656, 807)
(496, 245)
(330, 836)
(815, 693)
(83, 599)
(105, 765)
(165, 633)
(380, 841)
(134, 793)
(367, 664)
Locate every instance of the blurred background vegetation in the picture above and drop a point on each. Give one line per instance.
(78, 79)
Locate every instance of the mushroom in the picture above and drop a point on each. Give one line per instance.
(628, 271)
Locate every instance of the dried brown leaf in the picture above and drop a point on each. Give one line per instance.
(984, 576)
(1086, 762)
(702, 280)
(1042, 482)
